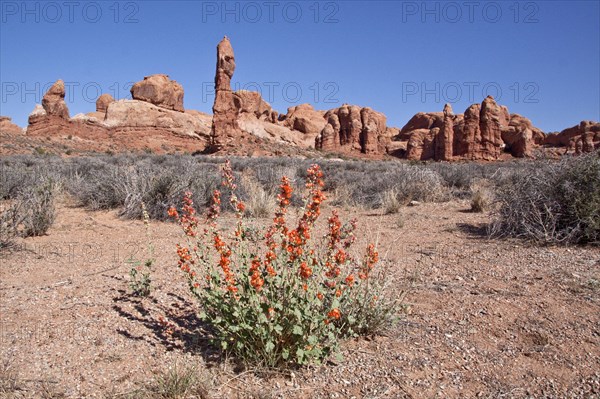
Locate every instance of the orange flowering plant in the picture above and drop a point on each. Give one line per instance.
(288, 298)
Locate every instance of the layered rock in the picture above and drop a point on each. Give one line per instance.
(131, 123)
(7, 127)
(225, 129)
(160, 91)
(353, 129)
(578, 139)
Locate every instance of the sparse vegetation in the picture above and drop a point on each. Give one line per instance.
(482, 195)
(553, 202)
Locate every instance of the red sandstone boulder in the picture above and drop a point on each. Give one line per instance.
(54, 101)
(159, 90)
(251, 102)
(521, 137)
(103, 102)
(422, 120)
(304, 118)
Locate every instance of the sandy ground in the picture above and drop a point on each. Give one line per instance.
(482, 318)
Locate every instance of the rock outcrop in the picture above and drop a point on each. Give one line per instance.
(54, 101)
(484, 132)
(251, 102)
(305, 119)
(578, 139)
(7, 127)
(445, 141)
(520, 136)
(130, 123)
(103, 102)
(160, 91)
(225, 129)
(352, 129)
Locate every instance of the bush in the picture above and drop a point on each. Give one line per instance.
(29, 203)
(289, 302)
(390, 202)
(552, 203)
(482, 195)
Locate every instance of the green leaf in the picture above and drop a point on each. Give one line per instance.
(269, 346)
(285, 354)
(278, 329)
(312, 340)
(297, 330)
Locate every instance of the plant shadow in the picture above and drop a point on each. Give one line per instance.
(474, 231)
(180, 329)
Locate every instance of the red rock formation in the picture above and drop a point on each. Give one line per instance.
(520, 136)
(491, 120)
(251, 102)
(353, 129)
(159, 90)
(584, 137)
(304, 118)
(225, 129)
(103, 102)
(484, 132)
(54, 101)
(7, 127)
(445, 139)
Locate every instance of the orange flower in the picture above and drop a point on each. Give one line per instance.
(334, 314)
(305, 271)
(320, 296)
(338, 293)
(350, 280)
(172, 212)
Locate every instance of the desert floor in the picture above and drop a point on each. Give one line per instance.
(481, 318)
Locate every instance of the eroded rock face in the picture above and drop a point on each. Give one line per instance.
(445, 140)
(251, 102)
(483, 132)
(521, 137)
(225, 128)
(7, 127)
(351, 128)
(54, 101)
(160, 91)
(578, 139)
(103, 102)
(305, 119)
(139, 115)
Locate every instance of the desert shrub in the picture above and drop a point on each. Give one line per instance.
(420, 184)
(31, 211)
(259, 203)
(288, 299)
(482, 195)
(552, 203)
(390, 202)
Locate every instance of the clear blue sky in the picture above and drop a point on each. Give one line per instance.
(398, 57)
